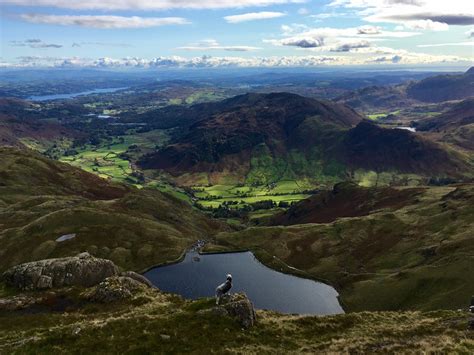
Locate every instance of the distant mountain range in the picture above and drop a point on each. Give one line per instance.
(429, 90)
(443, 87)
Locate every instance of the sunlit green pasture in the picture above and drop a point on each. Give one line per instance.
(378, 116)
(286, 190)
(106, 161)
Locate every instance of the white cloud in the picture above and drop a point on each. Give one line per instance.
(103, 21)
(211, 44)
(369, 30)
(433, 14)
(426, 25)
(446, 44)
(391, 57)
(252, 16)
(351, 46)
(149, 4)
(331, 39)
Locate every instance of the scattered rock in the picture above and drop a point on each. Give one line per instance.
(237, 306)
(115, 288)
(165, 337)
(81, 270)
(137, 277)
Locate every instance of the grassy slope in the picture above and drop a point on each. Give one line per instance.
(161, 323)
(40, 200)
(417, 257)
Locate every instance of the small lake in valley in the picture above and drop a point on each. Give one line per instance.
(70, 96)
(411, 129)
(198, 276)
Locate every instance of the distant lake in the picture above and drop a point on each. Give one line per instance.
(411, 129)
(199, 275)
(70, 96)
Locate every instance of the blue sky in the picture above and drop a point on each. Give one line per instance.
(145, 33)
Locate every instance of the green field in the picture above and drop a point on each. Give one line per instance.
(378, 116)
(286, 191)
(106, 161)
(103, 161)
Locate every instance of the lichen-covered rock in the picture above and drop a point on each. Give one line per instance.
(237, 306)
(137, 277)
(115, 288)
(81, 270)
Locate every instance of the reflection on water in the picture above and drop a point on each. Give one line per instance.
(198, 275)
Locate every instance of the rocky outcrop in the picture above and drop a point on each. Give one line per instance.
(81, 270)
(137, 277)
(237, 306)
(115, 288)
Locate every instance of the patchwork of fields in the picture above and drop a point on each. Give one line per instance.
(237, 196)
(107, 160)
(111, 160)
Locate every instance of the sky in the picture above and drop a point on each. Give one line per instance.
(235, 33)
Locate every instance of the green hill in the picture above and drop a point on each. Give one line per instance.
(41, 200)
(260, 139)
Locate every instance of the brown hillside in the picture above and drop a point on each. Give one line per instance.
(246, 121)
(345, 200)
(372, 147)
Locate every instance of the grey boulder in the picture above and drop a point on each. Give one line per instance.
(81, 270)
(236, 306)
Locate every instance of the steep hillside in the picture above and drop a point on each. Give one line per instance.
(21, 120)
(345, 200)
(455, 126)
(406, 249)
(245, 122)
(264, 138)
(42, 200)
(443, 87)
(372, 147)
